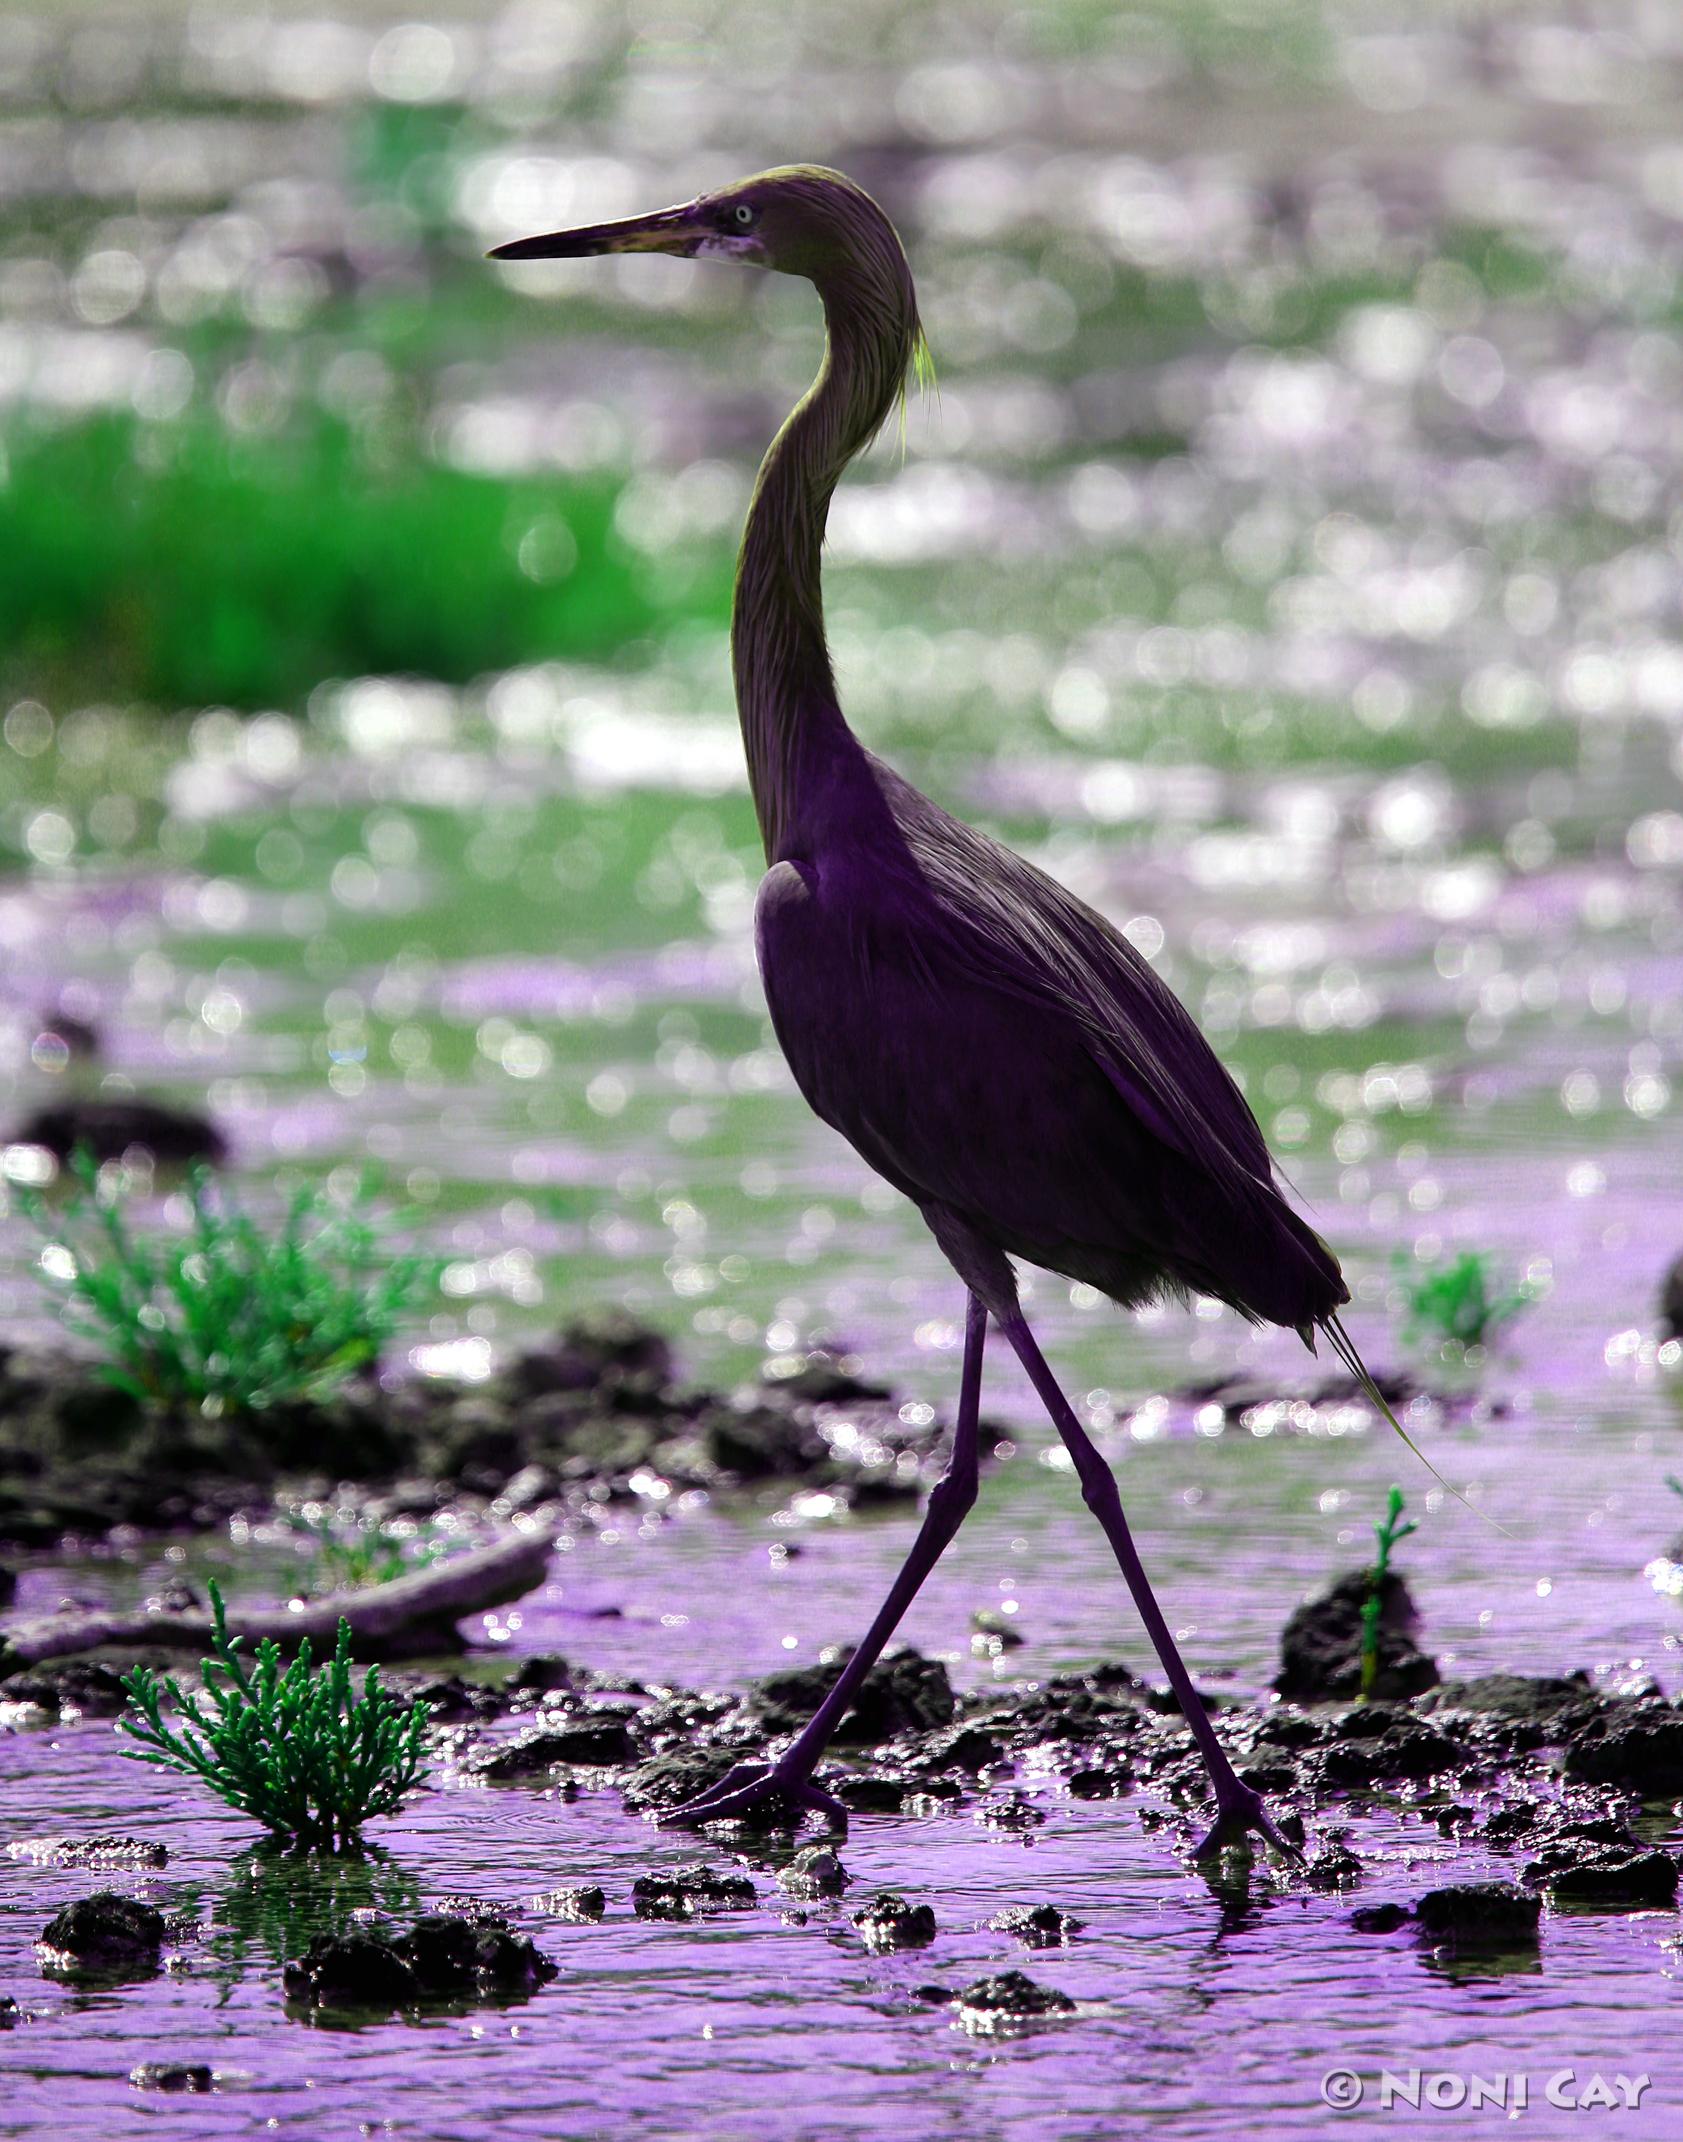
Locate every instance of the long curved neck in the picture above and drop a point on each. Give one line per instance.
(803, 760)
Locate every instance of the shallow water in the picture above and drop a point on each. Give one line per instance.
(1291, 564)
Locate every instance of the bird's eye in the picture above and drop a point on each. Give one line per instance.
(742, 215)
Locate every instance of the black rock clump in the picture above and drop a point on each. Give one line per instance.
(105, 1933)
(815, 1871)
(602, 1741)
(1321, 1644)
(179, 2077)
(1480, 1915)
(444, 1956)
(889, 1922)
(72, 1688)
(906, 1693)
(582, 1904)
(1100, 1781)
(1379, 1742)
(109, 1125)
(690, 1892)
(668, 1781)
(1639, 1751)
(11, 2015)
(1037, 1926)
(104, 1849)
(1379, 1918)
(1604, 1863)
(1009, 2000)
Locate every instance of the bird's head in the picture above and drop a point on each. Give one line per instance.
(799, 220)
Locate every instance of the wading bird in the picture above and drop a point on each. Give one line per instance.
(990, 1045)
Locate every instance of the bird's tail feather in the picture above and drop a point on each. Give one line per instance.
(1344, 1347)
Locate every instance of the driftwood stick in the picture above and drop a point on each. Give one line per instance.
(425, 1600)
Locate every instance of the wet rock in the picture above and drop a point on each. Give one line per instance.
(689, 1892)
(604, 1742)
(1479, 1914)
(178, 2077)
(1013, 1813)
(1009, 2001)
(71, 1688)
(1616, 1871)
(353, 1970)
(580, 1905)
(969, 1748)
(815, 1871)
(887, 1792)
(110, 1125)
(1640, 1752)
(101, 1850)
(1037, 1926)
(450, 1699)
(11, 2015)
(889, 1922)
(106, 1933)
(1378, 1742)
(1334, 1867)
(994, 1633)
(604, 1343)
(1101, 1781)
(1379, 1918)
(668, 1781)
(1536, 1708)
(481, 1955)
(1508, 1824)
(936, 1996)
(820, 1378)
(1321, 1644)
(541, 1674)
(906, 1693)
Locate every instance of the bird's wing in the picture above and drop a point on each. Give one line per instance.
(1011, 928)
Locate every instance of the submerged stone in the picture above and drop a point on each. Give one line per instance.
(104, 1849)
(352, 1970)
(1379, 1741)
(1037, 1926)
(815, 1871)
(193, 2078)
(1100, 1781)
(73, 1688)
(688, 1892)
(889, 1922)
(107, 1932)
(1379, 1918)
(581, 1904)
(11, 2015)
(1008, 2000)
(1483, 1914)
(451, 1955)
(1625, 1875)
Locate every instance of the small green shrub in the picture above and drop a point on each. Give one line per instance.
(1388, 1531)
(1456, 1304)
(295, 1748)
(351, 1557)
(226, 1318)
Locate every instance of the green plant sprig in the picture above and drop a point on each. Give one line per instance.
(350, 1559)
(1456, 1303)
(225, 1318)
(1388, 1531)
(295, 1747)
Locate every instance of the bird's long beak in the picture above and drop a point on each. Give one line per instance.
(668, 230)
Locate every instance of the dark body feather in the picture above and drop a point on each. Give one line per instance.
(1005, 1058)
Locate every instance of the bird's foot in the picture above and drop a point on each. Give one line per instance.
(1240, 1809)
(764, 1789)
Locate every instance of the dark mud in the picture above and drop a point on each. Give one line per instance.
(573, 1421)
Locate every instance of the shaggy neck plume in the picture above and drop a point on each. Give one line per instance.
(800, 749)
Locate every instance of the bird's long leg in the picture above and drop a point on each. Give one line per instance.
(1239, 1807)
(750, 1784)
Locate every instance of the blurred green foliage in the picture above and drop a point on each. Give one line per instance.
(226, 1318)
(1458, 1303)
(188, 565)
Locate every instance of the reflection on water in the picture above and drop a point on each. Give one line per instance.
(1290, 562)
